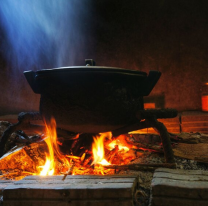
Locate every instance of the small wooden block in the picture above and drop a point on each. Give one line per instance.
(74, 190)
(172, 187)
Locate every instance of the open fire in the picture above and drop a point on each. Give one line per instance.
(104, 151)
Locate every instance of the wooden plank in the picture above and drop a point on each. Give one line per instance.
(70, 203)
(179, 187)
(76, 181)
(194, 177)
(4, 184)
(59, 177)
(178, 171)
(58, 191)
(168, 201)
(112, 189)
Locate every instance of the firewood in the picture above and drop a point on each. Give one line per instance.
(112, 154)
(196, 152)
(87, 160)
(146, 167)
(193, 138)
(155, 148)
(179, 187)
(91, 190)
(17, 159)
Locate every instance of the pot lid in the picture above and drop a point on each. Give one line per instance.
(92, 75)
(90, 67)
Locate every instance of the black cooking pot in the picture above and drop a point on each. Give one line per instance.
(91, 99)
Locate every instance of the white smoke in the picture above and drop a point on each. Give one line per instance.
(43, 33)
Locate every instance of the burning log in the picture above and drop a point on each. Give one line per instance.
(112, 154)
(24, 119)
(16, 164)
(17, 159)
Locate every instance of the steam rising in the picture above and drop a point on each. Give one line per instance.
(43, 33)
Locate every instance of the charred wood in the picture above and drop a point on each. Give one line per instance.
(141, 167)
(24, 119)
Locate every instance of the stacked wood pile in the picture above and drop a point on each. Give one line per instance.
(179, 188)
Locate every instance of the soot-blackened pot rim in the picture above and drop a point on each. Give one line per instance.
(149, 80)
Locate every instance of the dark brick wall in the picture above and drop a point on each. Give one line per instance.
(169, 36)
(166, 35)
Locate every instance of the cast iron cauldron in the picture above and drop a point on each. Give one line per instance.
(89, 98)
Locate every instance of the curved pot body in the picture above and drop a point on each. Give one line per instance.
(91, 99)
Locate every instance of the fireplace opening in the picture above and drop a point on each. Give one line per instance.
(116, 142)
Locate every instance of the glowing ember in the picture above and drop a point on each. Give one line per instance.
(98, 148)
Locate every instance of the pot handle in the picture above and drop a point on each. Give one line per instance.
(89, 62)
(150, 82)
(30, 76)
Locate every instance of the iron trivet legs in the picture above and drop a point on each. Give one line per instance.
(147, 119)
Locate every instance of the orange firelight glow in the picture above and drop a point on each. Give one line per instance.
(53, 150)
(120, 146)
(121, 142)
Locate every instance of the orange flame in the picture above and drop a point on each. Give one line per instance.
(53, 149)
(98, 148)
